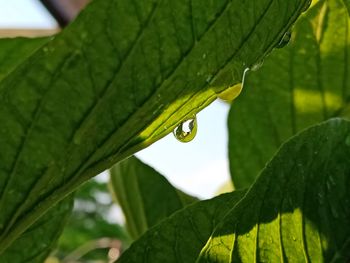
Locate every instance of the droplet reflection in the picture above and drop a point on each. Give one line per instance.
(186, 131)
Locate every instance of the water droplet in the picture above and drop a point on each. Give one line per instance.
(248, 235)
(284, 40)
(186, 131)
(234, 91)
(204, 56)
(307, 5)
(257, 65)
(294, 238)
(347, 140)
(231, 93)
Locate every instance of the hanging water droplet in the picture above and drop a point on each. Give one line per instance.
(234, 91)
(257, 65)
(284, 40)
(186, 131)
(231, 93)
(307, 5)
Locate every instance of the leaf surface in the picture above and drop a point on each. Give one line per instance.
(36, 243)
(14, 51)
(300, 85)
(145, 196)
(181, 237)
(122, 76)
(298, 208)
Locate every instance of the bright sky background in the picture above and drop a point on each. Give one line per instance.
(199, 167)
(25, 14)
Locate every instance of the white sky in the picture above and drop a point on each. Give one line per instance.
(199, 167)
(25, 14)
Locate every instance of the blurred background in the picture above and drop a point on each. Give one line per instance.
(95, 232)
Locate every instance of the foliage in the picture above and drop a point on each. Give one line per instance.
(312, 86)
(125, 74)
(136, 186)
(297, 210)
(90, 223)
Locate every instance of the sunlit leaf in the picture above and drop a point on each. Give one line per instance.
(145, 196)
(181, 237)
(302, 84)
(122, 76)
(298, 209)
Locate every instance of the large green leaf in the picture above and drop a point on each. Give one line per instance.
(36, 243)
(123, 75)
(145, 196)
(347, 4)
(181, 237)
(15, 51)
(298, 210)
(300, 85)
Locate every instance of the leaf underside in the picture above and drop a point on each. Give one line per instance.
(37, 242)
(145, 196)
(300, 85)
(181, 237)
(111, 83)
(298, 209)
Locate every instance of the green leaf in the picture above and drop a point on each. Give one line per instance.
(14, 51)
(298, 209)
(145, 196)
(181, 237)
(347, 4)
(37, 242)
(34, 245)
(304, 83)
(122, 76)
